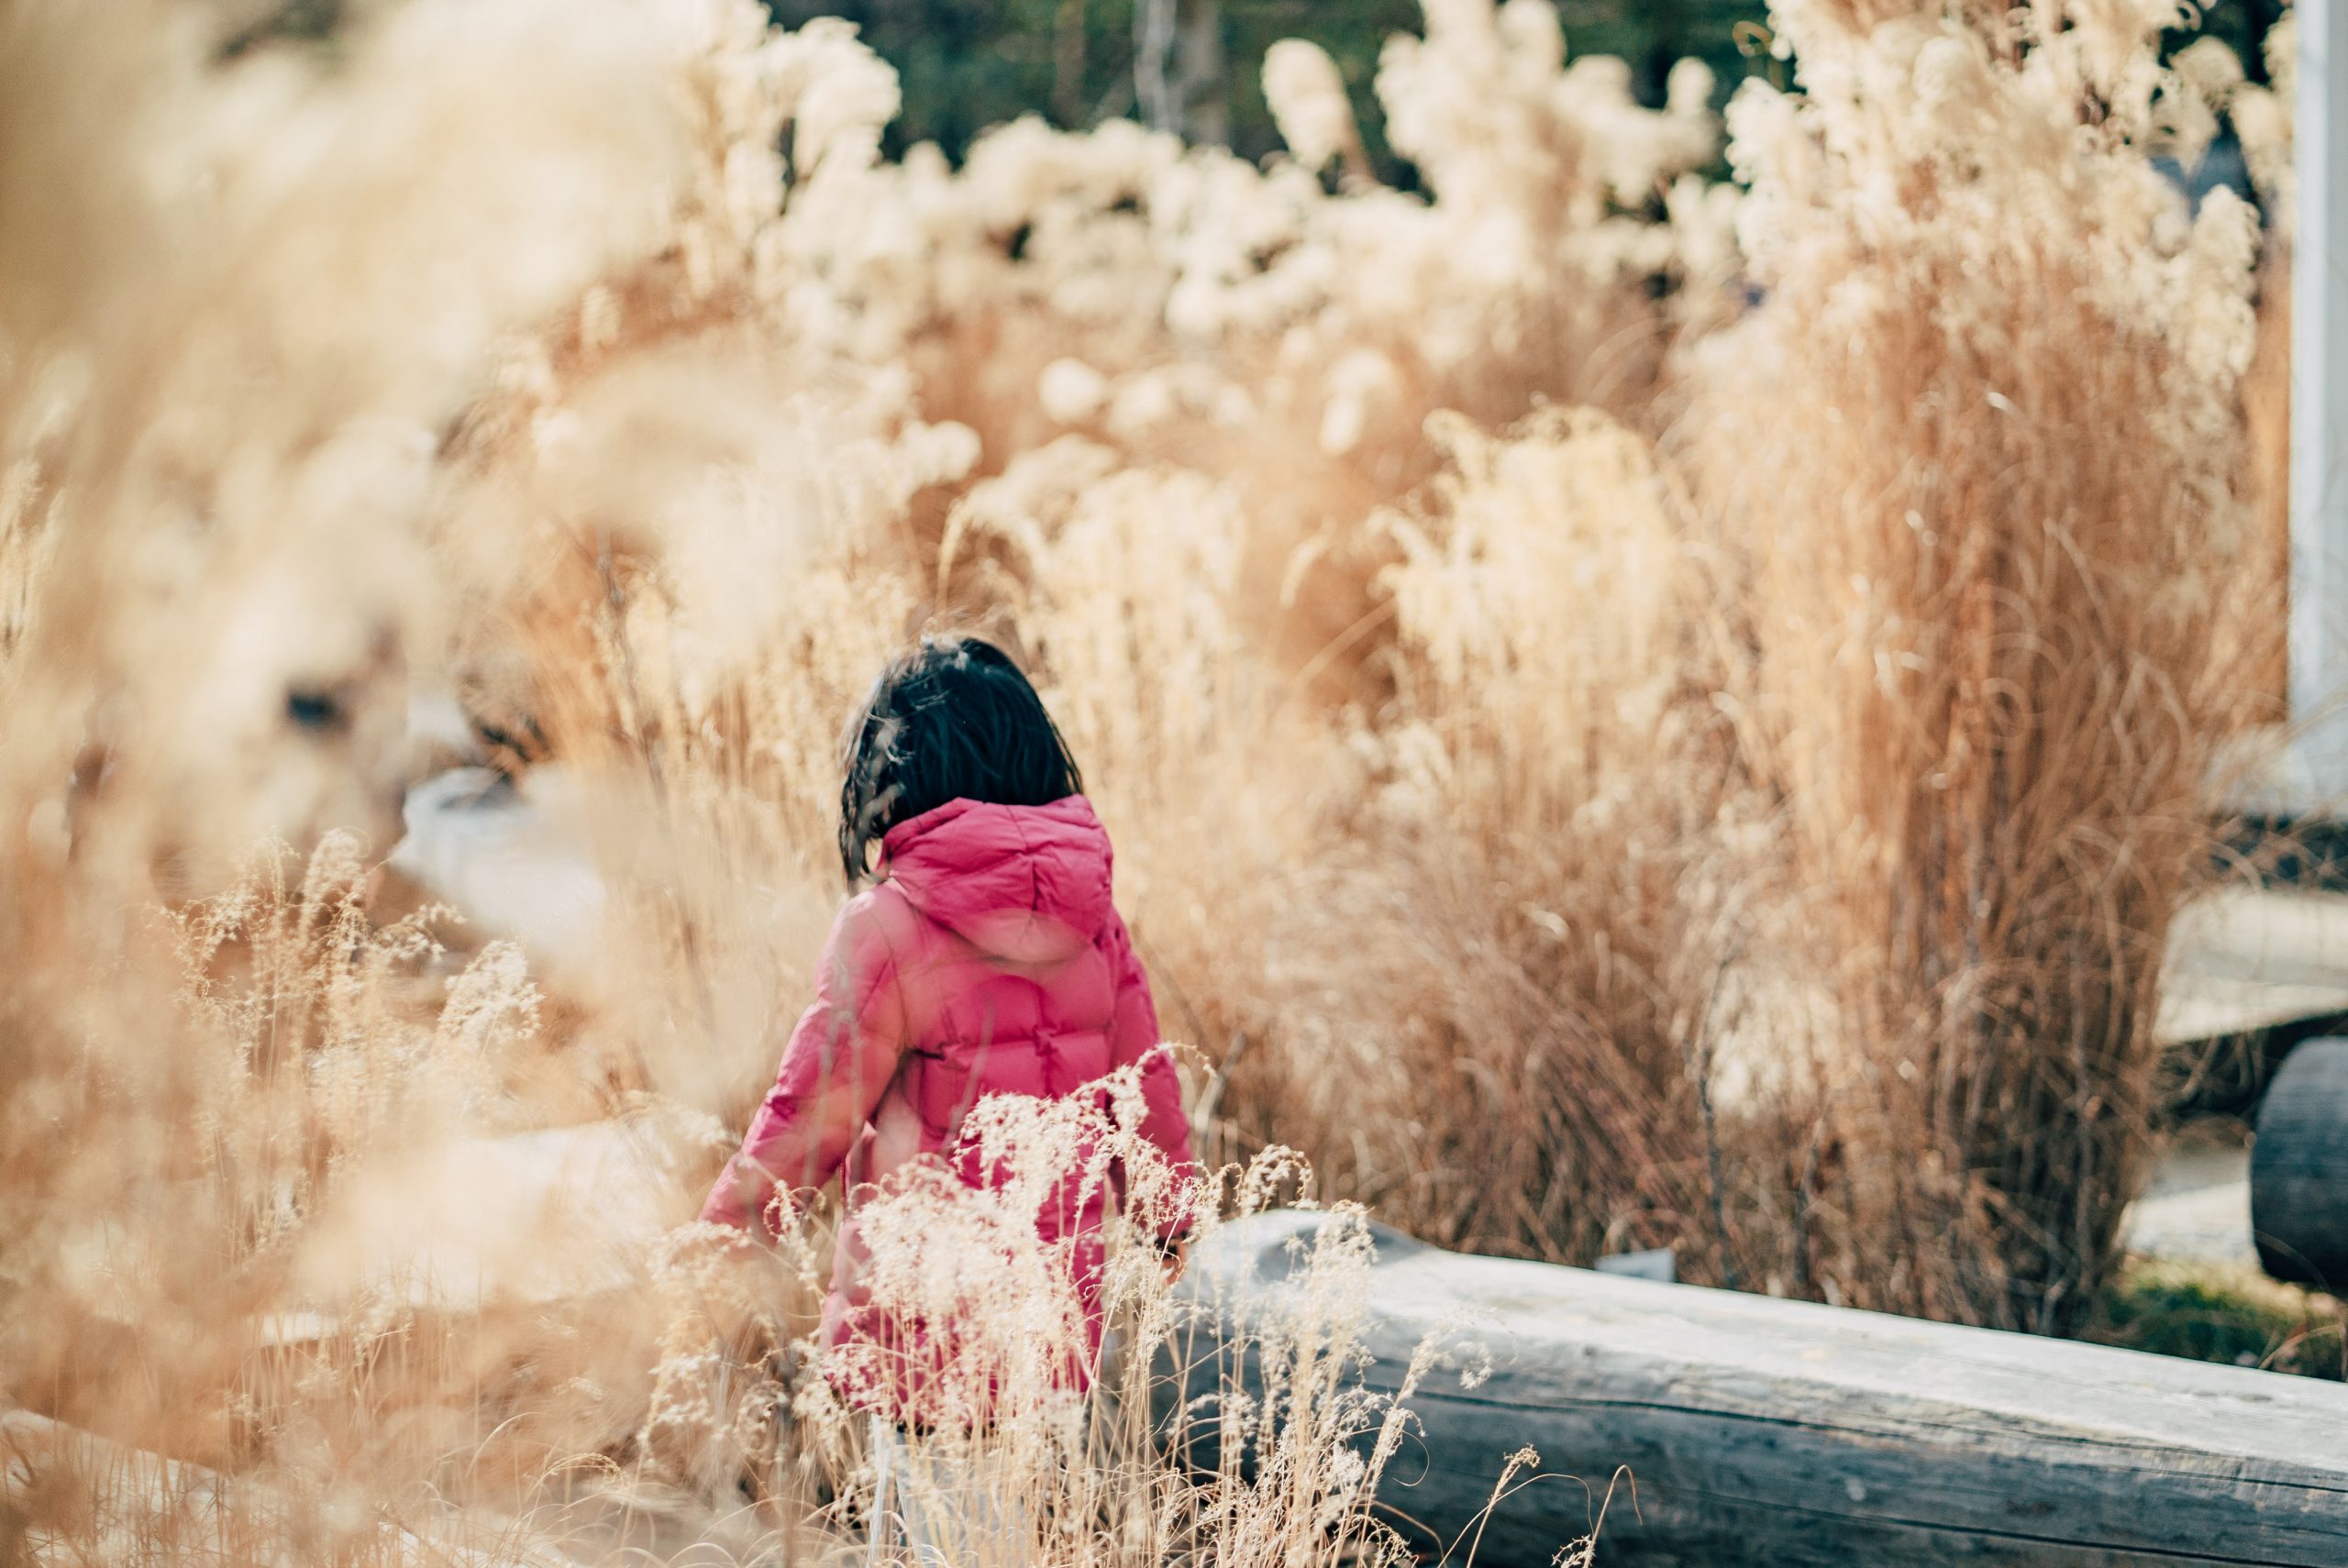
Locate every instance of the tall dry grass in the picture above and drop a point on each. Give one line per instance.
(1980, 443)
(1634, 711)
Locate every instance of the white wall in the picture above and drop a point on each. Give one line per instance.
(2319, 610)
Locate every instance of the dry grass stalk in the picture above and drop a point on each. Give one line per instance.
(1986, 493)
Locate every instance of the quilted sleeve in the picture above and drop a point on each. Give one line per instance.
(1134, 1037)
(838, 1064)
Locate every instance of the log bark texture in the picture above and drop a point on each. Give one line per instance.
(1732, 1429)
(2299, 1169)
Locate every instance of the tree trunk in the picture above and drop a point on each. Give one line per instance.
(1198, 87)
(1068, 65)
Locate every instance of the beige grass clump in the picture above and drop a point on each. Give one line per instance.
(1978, 445)
(222, 457)
(220, 1273)
(1030, 1468)
(1498, 924)
(227, 448)
(311, 1389)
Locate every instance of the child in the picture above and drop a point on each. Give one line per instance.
(985, 958)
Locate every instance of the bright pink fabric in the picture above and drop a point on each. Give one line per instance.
(989, 959)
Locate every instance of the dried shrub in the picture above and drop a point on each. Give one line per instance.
(1977, 445)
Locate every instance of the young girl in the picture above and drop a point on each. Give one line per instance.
(985, 958)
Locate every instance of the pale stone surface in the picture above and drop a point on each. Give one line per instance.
(544, 1216)
(2196, 1211)
(2243, 960)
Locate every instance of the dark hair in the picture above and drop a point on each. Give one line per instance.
(953, 719)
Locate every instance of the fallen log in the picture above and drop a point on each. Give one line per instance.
(2299, 1169)
(1734, 1429)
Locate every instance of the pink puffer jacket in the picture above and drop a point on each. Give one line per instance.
(989, 959)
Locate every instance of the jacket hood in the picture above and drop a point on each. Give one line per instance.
(1027, 883)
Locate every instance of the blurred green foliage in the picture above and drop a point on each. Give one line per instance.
(2234, 1316)
(2242, 23)
(968, 64)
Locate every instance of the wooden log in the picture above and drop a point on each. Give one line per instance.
(2299, 1169)
(1752, 1430)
